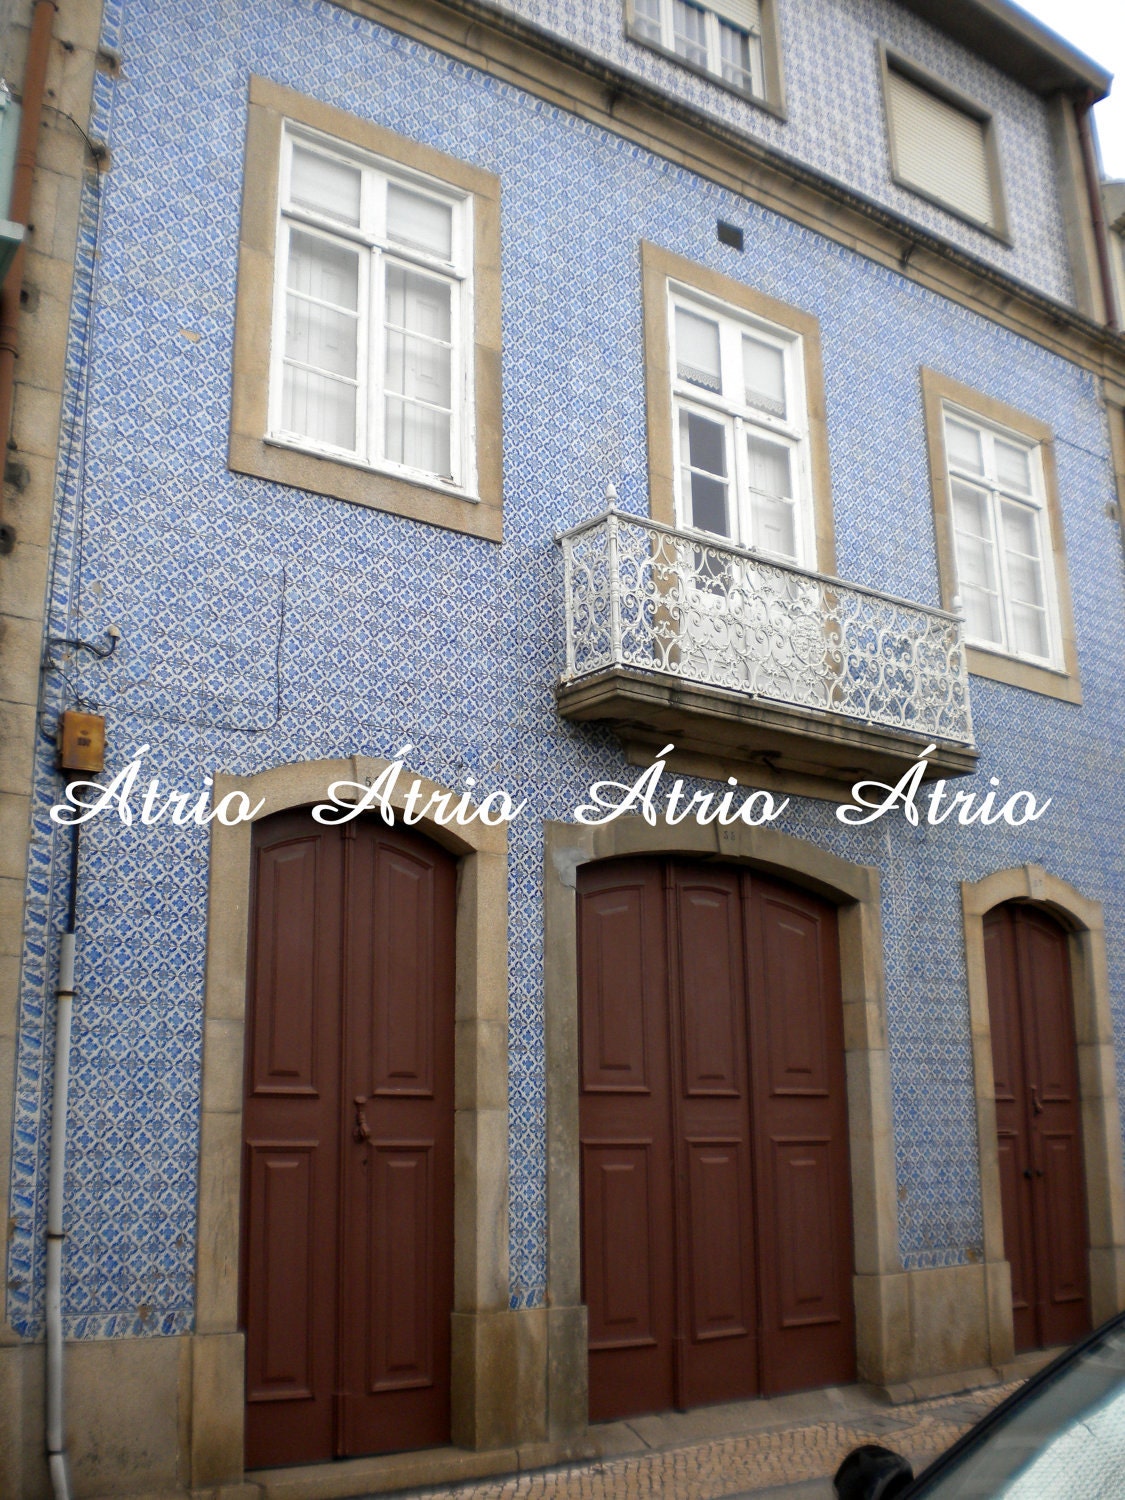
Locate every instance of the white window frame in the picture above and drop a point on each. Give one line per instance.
(638, 28)
(371, 235)
(741, 420)
(997, 493)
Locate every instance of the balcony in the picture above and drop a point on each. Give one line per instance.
(755, 667)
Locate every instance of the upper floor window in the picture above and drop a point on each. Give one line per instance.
(740, 427)
(367, 318)
(732, 41)
(942, 145)
(1001, 539)
(372, 300)
(999, 532)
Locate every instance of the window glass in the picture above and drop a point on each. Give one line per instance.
(703, 458)
(418, 370)
(998, 536)
(763, 367)
(372, 362)
(646, 19)
(739, 396)
(321, 340)
(689, 32)
(419, 222)
(697, 350)
(1061, 1440)
(976, 563)
(964, 446)
(325, 185)
(1013, 466)
(723, 37)
(734, 51)
(771, 483)
(1025, 580)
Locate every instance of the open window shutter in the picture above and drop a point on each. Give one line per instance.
(744, 13)
(940, 149)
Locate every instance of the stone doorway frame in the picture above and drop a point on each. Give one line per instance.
(1097, 1084)
(886, 1336)
(498, 1357)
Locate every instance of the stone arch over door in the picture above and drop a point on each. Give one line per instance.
(488, 1339)
(1101, 1121)
(886, 1346)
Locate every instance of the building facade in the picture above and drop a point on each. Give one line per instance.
(534, 395)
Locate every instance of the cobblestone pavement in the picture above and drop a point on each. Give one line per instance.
(802, 1454)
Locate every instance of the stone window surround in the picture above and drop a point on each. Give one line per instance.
(500, 1386)
(891, 61)
(909, 1325)
(658, 267)
(1097, 1081)
(936, 390)
(250, 452)
(773, 71)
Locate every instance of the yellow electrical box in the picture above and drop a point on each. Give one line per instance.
(81, 742)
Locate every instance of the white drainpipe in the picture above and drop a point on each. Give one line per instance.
(57, 1462)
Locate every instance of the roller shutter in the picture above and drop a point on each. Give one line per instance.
(939, 149)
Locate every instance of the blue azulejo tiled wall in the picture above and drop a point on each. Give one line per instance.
(265, 625)
(835, 118)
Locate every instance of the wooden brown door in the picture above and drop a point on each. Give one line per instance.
(1042, 1183)
(347, 1274)
(716, 1210)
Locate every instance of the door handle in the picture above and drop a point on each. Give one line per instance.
(361, 1130)
(1036, 1104)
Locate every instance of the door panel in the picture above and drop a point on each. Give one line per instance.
(1062, 1194)
(1038, 1120)
(397, 1235)
(284, 1033)
(1015, 1199)
(401, 1314)
(796, 1039)
(626, 1139)
(619, 1288)
(800, 1094)
(292, 1141)
(613, 1036)
(714, 1226)
(720, 1299)
(712, 997)
(716, 1220)
(279, 1364)
(347, 1277)
(807, 1284)
(402, 1060)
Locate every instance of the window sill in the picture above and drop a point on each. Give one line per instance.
(999, 235)
(767, 105)
(1051, 682)
(280, 462)
(388, 471)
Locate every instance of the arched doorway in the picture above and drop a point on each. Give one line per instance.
(1038, 1123)
(1082, 923)
(348, 1131)
(713, 1119)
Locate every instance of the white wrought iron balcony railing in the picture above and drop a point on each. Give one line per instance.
(645, 597)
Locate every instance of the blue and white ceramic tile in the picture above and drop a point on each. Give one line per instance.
(835, 118)
(258, 620)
